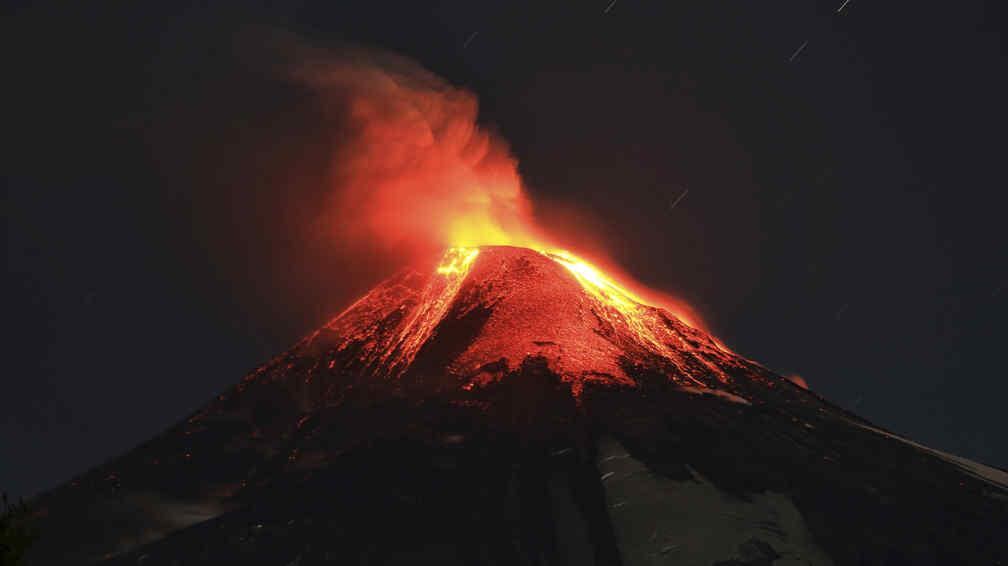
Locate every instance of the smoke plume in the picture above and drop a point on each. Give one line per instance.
(412, 171)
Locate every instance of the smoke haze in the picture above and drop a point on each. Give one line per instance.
(412, 171)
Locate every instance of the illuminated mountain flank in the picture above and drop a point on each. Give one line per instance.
(518, 406)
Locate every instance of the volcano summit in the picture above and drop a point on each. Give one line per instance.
(517, 406)
(489, 310)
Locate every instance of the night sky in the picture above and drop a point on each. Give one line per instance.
(844, 218)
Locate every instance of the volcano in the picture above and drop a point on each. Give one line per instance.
(517, 406)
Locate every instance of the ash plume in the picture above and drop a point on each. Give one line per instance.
(412, 170)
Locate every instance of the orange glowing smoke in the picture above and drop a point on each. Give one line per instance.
(414, 174)
(798, 380)
(412, 170)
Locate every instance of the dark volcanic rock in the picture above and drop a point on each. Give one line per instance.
(502, 412)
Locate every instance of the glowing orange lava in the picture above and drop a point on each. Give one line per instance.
(434, 304)
(595, 282)
(458, 259)
(613, 302)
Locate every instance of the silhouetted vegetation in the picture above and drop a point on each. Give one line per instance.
(15, 533)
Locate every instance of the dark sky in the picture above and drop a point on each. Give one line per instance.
(845, 216)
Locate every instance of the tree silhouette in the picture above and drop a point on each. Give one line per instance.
(15, 533)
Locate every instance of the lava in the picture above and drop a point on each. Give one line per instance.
(457, 261)
(518, 304)
(634, 311)
(595, 282)
(434, 303)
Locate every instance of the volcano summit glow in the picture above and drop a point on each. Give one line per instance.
(414, 174)
(482, 313)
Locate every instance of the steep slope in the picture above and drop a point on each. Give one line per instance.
(516, 406)
(487, 310)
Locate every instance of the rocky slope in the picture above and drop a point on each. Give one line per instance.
(508, 407)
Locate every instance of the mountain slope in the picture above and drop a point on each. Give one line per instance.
(513, 406)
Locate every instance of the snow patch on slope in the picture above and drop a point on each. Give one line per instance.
(659, 520)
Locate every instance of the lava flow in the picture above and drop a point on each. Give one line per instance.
(483, 312)
(617, 300)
